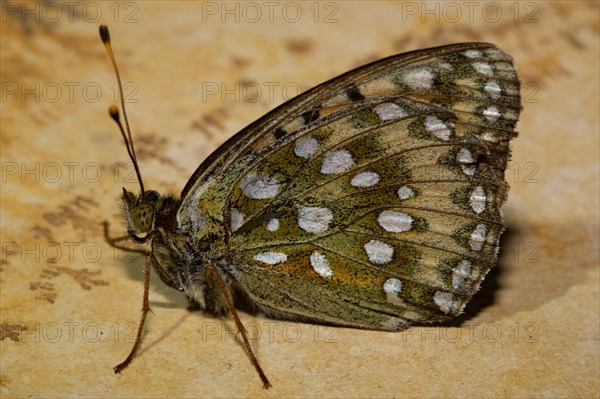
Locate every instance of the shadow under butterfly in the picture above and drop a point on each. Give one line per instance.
(370, 201)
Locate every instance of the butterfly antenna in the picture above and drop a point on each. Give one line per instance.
(114, 111)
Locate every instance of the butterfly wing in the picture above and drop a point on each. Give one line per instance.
(372, 200)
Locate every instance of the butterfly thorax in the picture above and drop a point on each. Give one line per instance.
(181, 259)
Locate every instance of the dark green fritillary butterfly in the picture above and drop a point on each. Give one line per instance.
(370, 201)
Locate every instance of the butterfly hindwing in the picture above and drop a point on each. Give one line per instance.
(372, 200)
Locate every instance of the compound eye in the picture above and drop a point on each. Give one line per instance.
(152, 197)
(142, 217)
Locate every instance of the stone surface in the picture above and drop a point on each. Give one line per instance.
(69, 303)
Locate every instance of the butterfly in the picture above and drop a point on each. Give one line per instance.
(370, 201)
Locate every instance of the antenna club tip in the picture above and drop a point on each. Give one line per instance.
(113, 110)
(104, 34)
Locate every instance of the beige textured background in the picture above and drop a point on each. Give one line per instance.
(69, 303)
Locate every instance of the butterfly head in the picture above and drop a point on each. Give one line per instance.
(139, 212)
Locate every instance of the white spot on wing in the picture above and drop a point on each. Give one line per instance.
(395, 221)
(464, 156)
(257, 186)
(443, 300)
(392, 288)
(320, 264)
(489, 136)
(478, 237)
(472, 54)
(438, 128)
(379, 253)
(405, 192)
(468, 170)
(273, 225)
(270, 258)
(237, 219)
(365, 179)
(337, 161)
(306, 146)
(477, 200)
(419, 79)
(483, 69)
(491, 113)
(460, 273)
(389, 111)
(314, 220)
(493, 89)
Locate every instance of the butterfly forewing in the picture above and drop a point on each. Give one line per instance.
(374, 199)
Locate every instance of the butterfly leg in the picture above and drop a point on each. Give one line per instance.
(212, 270)
(145, 309)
